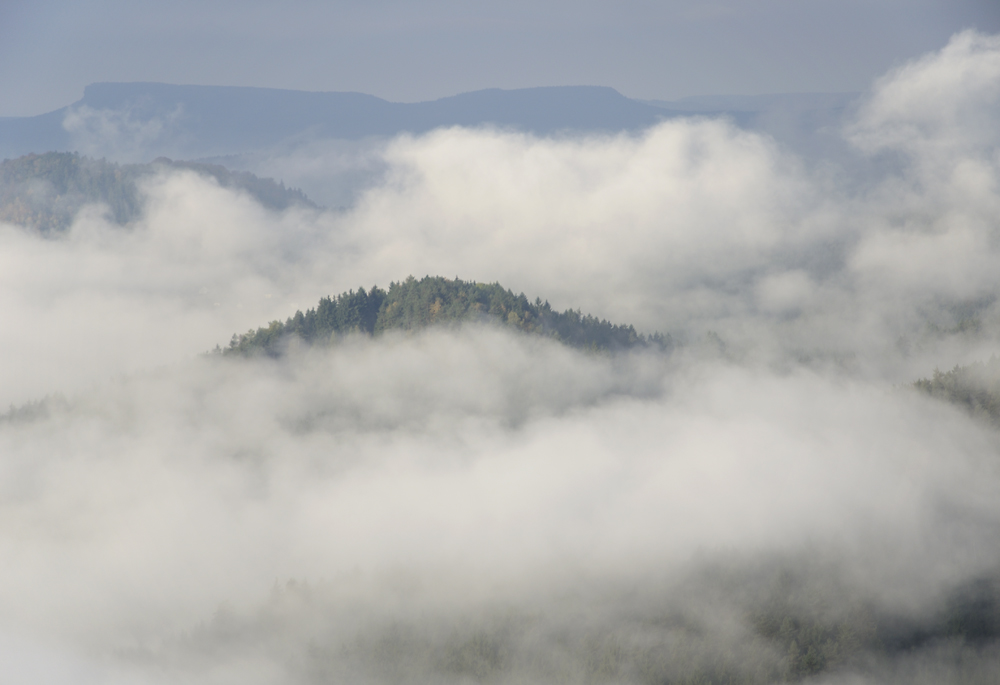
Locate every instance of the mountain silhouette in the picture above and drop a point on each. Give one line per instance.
(147, 120)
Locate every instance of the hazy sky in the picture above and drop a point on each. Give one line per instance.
(408, 51)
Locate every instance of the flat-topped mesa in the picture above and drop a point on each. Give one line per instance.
(191, 121)
(436, 301)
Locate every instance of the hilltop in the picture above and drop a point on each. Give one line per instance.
(411, 305)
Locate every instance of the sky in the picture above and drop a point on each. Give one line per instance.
(411, 51)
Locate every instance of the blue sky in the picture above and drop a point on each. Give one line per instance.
(408, 51)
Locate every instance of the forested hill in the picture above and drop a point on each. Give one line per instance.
(975, 388)
(413, 304)
(46, 191)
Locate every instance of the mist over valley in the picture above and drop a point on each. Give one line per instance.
(545, 385)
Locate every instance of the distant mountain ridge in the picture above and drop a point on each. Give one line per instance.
(274, 132)
(203, 121)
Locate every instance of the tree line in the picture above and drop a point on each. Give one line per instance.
(974, 387)
(44, 192)
(433, 300)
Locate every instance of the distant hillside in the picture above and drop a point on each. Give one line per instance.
(975, 388)
(143, 120)
(46, 191)
(413, 304)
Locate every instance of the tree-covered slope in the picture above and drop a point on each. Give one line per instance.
(46, 191)
(413, 304)
(975, 387)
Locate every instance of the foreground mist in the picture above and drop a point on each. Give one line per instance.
(765, 503)
(370, 510)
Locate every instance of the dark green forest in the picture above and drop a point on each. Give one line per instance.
(44, 192)
(434, 301)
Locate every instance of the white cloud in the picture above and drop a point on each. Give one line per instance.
(118, 133)
(944, 103)
(419, 479)
(464, 468)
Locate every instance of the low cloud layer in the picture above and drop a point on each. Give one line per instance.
(365, 512)
(429, 480)
(437, 475)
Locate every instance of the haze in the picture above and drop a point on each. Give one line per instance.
(409, 51)
(470, 504)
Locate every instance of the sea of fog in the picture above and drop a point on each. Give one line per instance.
(476, 505)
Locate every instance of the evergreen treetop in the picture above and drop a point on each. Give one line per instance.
(434, 301)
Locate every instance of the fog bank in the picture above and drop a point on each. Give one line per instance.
(764, 503)
(435, 480)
